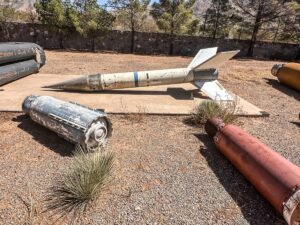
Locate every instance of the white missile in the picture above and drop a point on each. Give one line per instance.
(202, 71)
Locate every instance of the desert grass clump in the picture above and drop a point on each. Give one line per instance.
(87, 176)
(209, 109)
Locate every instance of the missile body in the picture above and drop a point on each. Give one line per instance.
(18, 60)
(17, 51)
(276, 178)
(75, 123)
(288, 74)
(14, 71)
(100, 82)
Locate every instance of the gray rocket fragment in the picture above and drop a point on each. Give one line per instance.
(18, 59)
(202, 71)
(75, 123)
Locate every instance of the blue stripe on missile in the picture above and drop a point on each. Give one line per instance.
(136, 78)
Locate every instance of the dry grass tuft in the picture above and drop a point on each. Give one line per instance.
(87, 176)
(209, 109)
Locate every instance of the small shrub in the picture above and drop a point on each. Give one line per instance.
(209, 109)
(85, 179)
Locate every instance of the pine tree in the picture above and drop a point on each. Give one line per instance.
(260, 13)
(173, 17)
(133, 13)
(58, 15)
(218, 18)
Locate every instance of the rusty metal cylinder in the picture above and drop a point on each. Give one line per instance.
(288, 74)
(75, 123)
(276, 178)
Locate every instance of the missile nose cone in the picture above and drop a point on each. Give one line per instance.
(79, 84)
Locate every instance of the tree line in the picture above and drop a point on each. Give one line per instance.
(269, 20)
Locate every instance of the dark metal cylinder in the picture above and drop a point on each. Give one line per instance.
(73, 122)
(14, 71)
(276, 178)
(17, 51)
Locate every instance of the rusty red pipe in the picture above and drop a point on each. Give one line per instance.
(276, 178)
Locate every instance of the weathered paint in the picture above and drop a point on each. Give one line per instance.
(16, 51)
(203, 68)
(18, 60)
(14, 71)
(73, 122)
(100, 82)
(276, 178)
(288, 74)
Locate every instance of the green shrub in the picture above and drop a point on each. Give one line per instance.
(209, 109)
(84, 180)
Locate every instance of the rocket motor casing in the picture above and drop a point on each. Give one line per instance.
(136, 79)
(276, 178)
(73, 122)
(16, 51)
(14, 71)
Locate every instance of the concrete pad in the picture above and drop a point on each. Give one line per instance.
(165, 99)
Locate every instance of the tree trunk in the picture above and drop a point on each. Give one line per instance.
(204, 25)
(254, 32)
(217, 21)
(61, 42)
(298, 54)
(93, 44)
(132, 40)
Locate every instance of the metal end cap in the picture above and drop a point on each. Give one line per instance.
(291, 209)
(26, 105)
(212, 126)
(275, 69)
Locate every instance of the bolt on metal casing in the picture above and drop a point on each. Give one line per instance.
(75, 123)
(276, 178)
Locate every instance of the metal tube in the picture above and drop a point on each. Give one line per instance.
(17, 51)
(99, 82)
(276, 178)
(288, 74)
(73, 122)
(14, 71)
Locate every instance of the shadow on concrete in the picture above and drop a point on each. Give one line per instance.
(296, 123)
(255, 209)
(176, 93)
(283, 88)
(45, 136)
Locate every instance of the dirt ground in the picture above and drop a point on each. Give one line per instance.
(166, 171)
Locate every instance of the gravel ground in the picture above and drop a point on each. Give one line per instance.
(166, 171)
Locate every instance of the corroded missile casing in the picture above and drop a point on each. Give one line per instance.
(75, 123)
(14, 71)
(276, 178)
(100, 82)
(17, 51)
(18, 60)
(288, 74)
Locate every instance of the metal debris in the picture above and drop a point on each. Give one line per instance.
(202, 69)
(288, 74)
(18, 60)
(276, 178)
(75, 123)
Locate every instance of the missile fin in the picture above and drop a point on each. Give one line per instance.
(202, 56)
(216, 61)
(214, 90)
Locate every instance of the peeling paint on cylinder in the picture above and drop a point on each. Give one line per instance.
(14, 71)
(276, 178)
(73, 122)
(100, 82)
